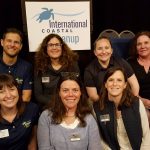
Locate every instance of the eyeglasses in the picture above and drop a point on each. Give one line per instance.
(57, 45)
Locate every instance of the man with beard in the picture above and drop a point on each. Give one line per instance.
(12, 64)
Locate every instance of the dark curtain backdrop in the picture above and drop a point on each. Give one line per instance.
(120, 15)
(116, 14)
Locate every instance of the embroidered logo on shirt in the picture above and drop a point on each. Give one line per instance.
(19, 81)
(26, 124)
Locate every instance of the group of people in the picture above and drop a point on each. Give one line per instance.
(64, 117)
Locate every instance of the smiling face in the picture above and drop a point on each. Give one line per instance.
(8, 97)
(70, 94)
(11, 44)
(103, 50)
(54, 48)
(115, 85)
(143, 46)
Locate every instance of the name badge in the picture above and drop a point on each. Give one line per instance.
(75, 137)
(45, 79)
(104, 118)
(4, 133)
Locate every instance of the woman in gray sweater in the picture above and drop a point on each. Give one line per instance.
(68, 123)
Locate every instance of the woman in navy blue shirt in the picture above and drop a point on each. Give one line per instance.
(18, 119)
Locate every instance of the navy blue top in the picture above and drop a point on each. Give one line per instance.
(19, 131)
(22, 72)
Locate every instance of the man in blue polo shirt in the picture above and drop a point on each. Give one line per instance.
(12, 64)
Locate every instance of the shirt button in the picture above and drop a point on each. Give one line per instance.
(13, 127)
(9, 71)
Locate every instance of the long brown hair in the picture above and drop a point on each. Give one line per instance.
(57, 107)
(133, 50)
(42, 60)
(9, 81)
(127, 96)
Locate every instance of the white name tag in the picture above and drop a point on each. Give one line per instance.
(45, 79)
(75, 137)
(4, 133)
(105, 118)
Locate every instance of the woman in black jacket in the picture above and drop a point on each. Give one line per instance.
(121, 116)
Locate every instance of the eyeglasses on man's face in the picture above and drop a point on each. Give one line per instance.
(51, 45)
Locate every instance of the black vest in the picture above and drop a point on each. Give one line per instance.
(131, 119)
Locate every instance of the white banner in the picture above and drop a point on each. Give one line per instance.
(71, 20)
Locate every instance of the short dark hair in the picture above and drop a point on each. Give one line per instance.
(100, 38)
(13, 30)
